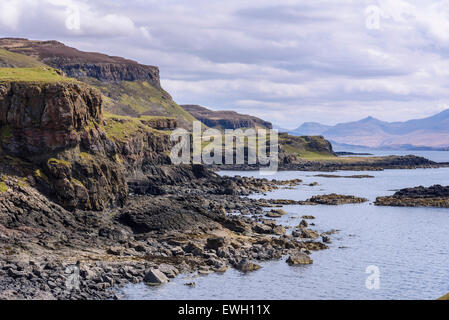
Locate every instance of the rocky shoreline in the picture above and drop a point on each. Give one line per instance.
(344, 164)
(151, 239)
(435, 196)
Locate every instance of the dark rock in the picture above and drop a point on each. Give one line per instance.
(299, 258)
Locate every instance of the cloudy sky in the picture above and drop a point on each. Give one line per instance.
(286, 61)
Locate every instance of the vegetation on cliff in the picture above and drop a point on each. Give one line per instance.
(129, 88)
(226, 119)
(10, 59)
(140, 98)
(39, 74)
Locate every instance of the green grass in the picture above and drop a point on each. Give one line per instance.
(140, 98)
(123, 127)
(44, 74)
(17, 60)
(53, 161)
(309, 148)
(3, 187)
(39, 174)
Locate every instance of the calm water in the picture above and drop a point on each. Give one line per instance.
(409, 245)
(437, 156)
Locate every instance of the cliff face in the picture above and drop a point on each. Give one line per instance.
(80, 64)
(43, 118)
(130, 88)
(52, 134)
(109, 72)
(226, 119)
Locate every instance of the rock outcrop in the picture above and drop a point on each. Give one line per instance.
(56, 129)
(130, 88)
(434, 196)
(38, 119)
(80, 64)
(226, 119)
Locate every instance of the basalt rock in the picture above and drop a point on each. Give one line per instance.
(336, 199)
(299, 258)
(434, 196)
(57, 129)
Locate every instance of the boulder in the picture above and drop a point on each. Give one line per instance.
(215, 243)
(299, 258)
(303, 224)
(169, 270)
(155, 277)
(247, 266)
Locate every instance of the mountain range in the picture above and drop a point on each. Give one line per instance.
(431, 133)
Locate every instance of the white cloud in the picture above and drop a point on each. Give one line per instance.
(285, 60)
(10, 13)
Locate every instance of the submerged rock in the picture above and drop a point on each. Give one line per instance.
(247, 266)
(336, 199)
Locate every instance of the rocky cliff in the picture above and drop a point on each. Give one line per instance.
(51, 133)
(39, 119)
(80, 64)
(54, 136)
(129, 88)
(226, 119)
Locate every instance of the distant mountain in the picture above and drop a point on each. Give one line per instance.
(225, 119)
(311, 128)
(431, 132)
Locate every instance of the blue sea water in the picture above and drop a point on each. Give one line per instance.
(409, 246)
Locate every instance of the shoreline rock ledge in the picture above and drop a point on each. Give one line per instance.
(435, 196)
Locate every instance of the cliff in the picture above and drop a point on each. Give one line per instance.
(226, 119)
(79, 64)
(55, 137)
(292, 148)
(129, 88)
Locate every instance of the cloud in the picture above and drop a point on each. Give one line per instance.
(285, 61)
(9, 14)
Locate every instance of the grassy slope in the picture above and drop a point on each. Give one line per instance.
(122, 127)
(17, 60)
(38, 74)
(310, 148)
(140, 98)
(25, 68)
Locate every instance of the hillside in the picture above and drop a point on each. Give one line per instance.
(226, 119)
(15, 60)
(431, 132)
(129, 88)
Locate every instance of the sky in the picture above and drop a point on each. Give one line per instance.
(286, 61)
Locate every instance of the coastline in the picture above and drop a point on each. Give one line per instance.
(127, 244)
(345, 164)
(188, 228)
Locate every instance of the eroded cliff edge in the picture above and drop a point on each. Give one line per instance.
(54, 136)
(68, 175)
